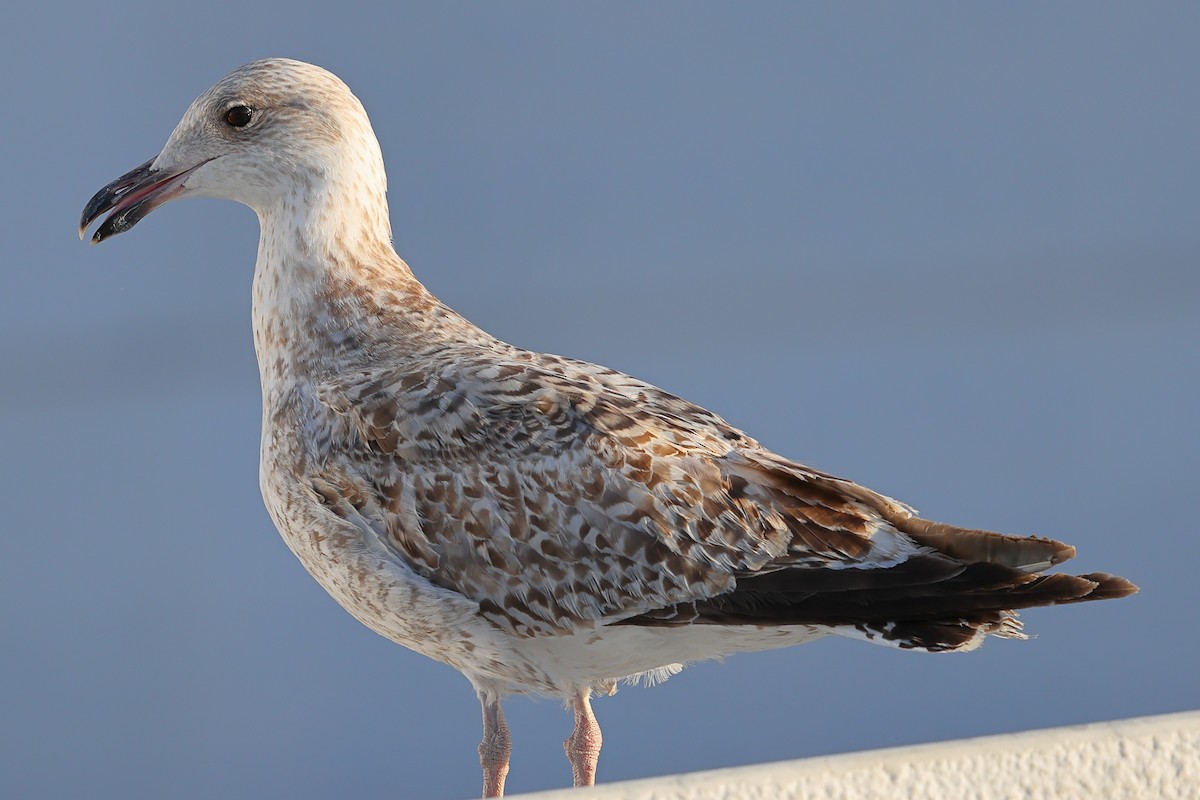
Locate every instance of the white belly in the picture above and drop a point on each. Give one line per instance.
(349, 559)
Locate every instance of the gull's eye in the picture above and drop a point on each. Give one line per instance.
(239, 116)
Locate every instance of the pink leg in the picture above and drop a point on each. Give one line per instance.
(495, 748)
(583, 745)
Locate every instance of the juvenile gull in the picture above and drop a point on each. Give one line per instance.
(541, 524)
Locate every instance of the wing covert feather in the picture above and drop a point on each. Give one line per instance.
(555, 492)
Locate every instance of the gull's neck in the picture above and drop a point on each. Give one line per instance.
(330, 292)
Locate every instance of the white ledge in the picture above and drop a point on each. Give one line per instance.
(1146, 757)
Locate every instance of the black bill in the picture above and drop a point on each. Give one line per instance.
(131, 197)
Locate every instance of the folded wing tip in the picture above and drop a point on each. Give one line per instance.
(1110, 586)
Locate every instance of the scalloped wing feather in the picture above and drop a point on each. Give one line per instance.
(557, 493)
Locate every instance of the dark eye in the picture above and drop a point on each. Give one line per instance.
(239, 116)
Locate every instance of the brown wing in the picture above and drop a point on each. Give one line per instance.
(961, 585)
(556, 493)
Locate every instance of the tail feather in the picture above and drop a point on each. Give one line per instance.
(934, 601)
(1108, 587)
(981, 589)
(1024, 553)
(950, 591)
(952, 615)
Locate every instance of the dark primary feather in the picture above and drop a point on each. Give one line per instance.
(966, 582)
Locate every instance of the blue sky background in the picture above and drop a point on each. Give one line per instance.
(949, 250)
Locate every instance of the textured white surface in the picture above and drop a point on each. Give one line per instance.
(1147, 757)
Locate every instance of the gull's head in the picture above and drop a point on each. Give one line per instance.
(277, 135)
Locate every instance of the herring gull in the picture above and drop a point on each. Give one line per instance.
(543, 525)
